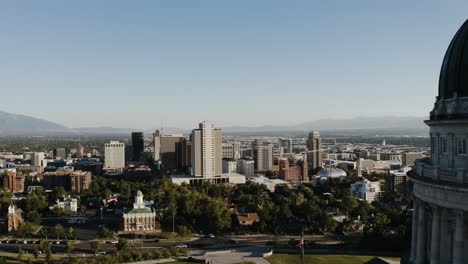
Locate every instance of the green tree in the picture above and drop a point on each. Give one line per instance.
(122, 244)
(71, 232)
(69, 247)
(58, 231)
(104, 233)
(94, 246)
(34, 217)
(20, 254)
(183, 231)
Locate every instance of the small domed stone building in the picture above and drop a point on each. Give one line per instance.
(140, 218)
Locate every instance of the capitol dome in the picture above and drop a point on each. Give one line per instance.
(440, 183)
(333, 173)
(452, 102)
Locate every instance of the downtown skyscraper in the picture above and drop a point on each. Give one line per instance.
(206, 151)
(314, 150)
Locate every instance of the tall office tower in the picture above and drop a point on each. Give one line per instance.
(314, 150)
(206, 151)
(114, 155)
(157, 145)
(138, 145)
(286, 143)
(184, 154)
(167, 151)
(263, 155)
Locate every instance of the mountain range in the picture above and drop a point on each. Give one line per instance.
(25, 125)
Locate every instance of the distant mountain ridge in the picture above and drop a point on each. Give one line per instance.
(22, 124)
(357, 123)
(13, 123)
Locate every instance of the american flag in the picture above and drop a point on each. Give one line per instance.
(301, 243)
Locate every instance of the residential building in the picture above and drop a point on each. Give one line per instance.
(73, 181)
(293, 172)
(206, 151)
(263, 155)
(13, 181)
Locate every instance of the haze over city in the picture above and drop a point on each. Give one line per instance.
(247, 63)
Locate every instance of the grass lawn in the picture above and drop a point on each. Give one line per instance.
(325, 259)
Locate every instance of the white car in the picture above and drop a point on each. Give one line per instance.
(114, 242)
(211, 236)
(181, 246)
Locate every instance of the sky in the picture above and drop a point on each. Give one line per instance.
(246, 62)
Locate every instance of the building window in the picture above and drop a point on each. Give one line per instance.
(443, 145)
(461, 146)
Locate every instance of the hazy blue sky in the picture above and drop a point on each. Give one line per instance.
(137, 63)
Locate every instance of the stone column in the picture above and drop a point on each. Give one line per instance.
(414, 231)
(435, 237)
(421, 241)
(458, 245)
(444, 236)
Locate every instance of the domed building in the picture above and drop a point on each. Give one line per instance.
(332, 173)
(440, 183)
(141, 218)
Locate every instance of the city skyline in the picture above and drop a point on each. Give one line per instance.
(234, 64)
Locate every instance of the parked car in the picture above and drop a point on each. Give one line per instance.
(181, 246)
(211, 236)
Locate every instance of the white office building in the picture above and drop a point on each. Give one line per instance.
(114, 155)
(366, 190)
(229, 166)
(246, 167)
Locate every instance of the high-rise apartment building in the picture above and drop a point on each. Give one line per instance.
(138, 146)
(314, 150)
(206, 151)
(263, 155)
(114, 155)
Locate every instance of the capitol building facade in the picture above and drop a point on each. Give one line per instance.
(440, 183)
